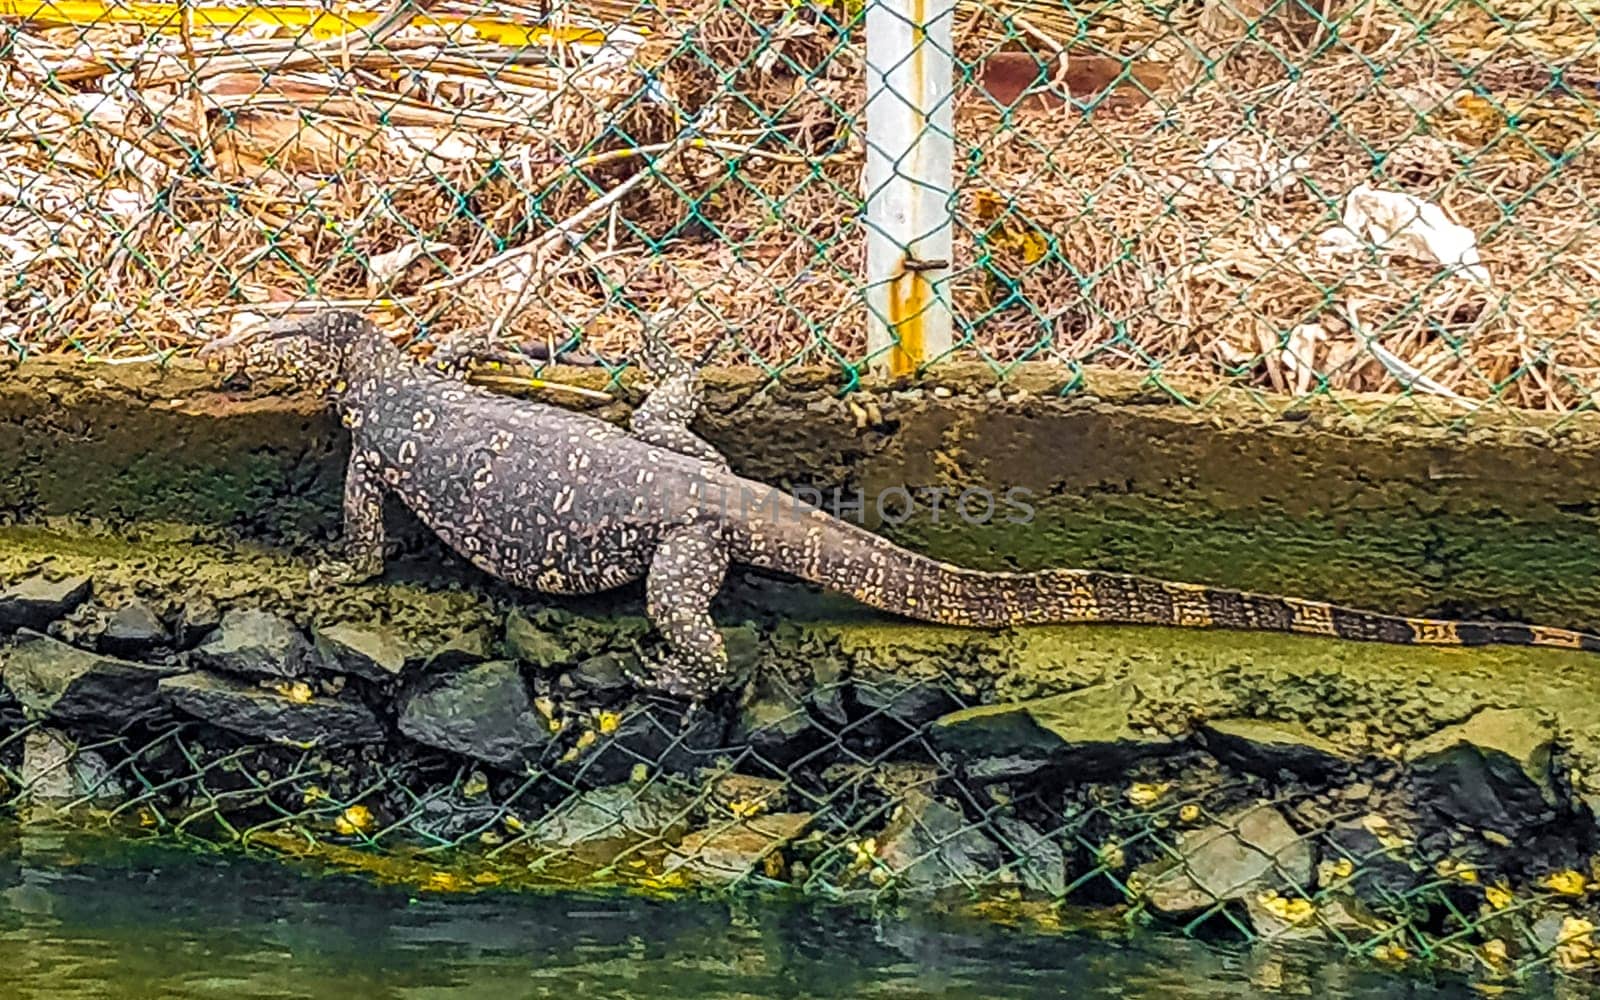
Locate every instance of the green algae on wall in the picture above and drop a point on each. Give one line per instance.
(1334, 687)
(1395, 509)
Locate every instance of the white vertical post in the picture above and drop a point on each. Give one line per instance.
(908, 179)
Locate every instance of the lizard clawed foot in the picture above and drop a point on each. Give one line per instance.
(658, 678)
(660, 674)
(346, 572)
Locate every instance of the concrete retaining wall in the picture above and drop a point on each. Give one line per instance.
(1393, 506)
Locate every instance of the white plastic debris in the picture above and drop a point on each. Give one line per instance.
(1299, 354)
(1407, 375)
(1231, 164)
(1395, 222)
(123, 203)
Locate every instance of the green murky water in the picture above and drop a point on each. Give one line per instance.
(81, 919)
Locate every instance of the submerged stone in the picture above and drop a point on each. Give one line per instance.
(1040, 864)
(828, 690)
(928, 846)
(482, 712)
(728, 851)
(51, 678)
(1291, 917)
(652, 734)
(453, 816)
(132, 630)
(252, 710)
(1252, 850)
(56, 770)
(256, 643)
(37, 601)
(1491, 772)
(1086, 733)
(744, 648)
(1267, 747)
(373, 653)
(891, 779)
(627, 812)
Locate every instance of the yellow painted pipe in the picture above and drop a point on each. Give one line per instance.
(318, 22)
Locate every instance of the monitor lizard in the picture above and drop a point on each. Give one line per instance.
(564, 502)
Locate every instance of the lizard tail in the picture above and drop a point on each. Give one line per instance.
(841, 556)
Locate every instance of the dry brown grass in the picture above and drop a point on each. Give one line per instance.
(487, 197)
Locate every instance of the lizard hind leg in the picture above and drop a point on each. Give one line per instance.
(664, 417)
(685, 574)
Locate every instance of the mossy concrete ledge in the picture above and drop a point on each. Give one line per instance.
(1408, 507)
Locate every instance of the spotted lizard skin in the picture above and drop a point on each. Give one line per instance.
(562, 502)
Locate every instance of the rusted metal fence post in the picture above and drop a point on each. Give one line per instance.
(908, 180)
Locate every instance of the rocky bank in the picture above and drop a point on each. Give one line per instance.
(1359, 795)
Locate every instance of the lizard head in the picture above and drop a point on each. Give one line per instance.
(315, 349)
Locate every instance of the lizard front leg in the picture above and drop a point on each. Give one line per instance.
(685, 574)
(363, 524)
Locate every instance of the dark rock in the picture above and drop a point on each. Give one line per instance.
(35, 602)
(927, 846)
(196, 620)
(1040, 863)
(1382, 863)
(895, 707)
(653, 734)
(828, 690)
(465, 649)
(1268, 747)
(528, 640)
(1250, 851)
(255, 711)
(1491, 772)
(133, 630)
(774, 723)
(51, 678)
(728, 851)
(256, 643)
(1087, 733)
(372, 653)
(606, 673)
(617, 813)
(482, 712)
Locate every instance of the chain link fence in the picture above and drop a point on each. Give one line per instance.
(1302, 196)
(1472, 854)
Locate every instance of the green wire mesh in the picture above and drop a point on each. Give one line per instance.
(1298, 196)
(852, 797)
